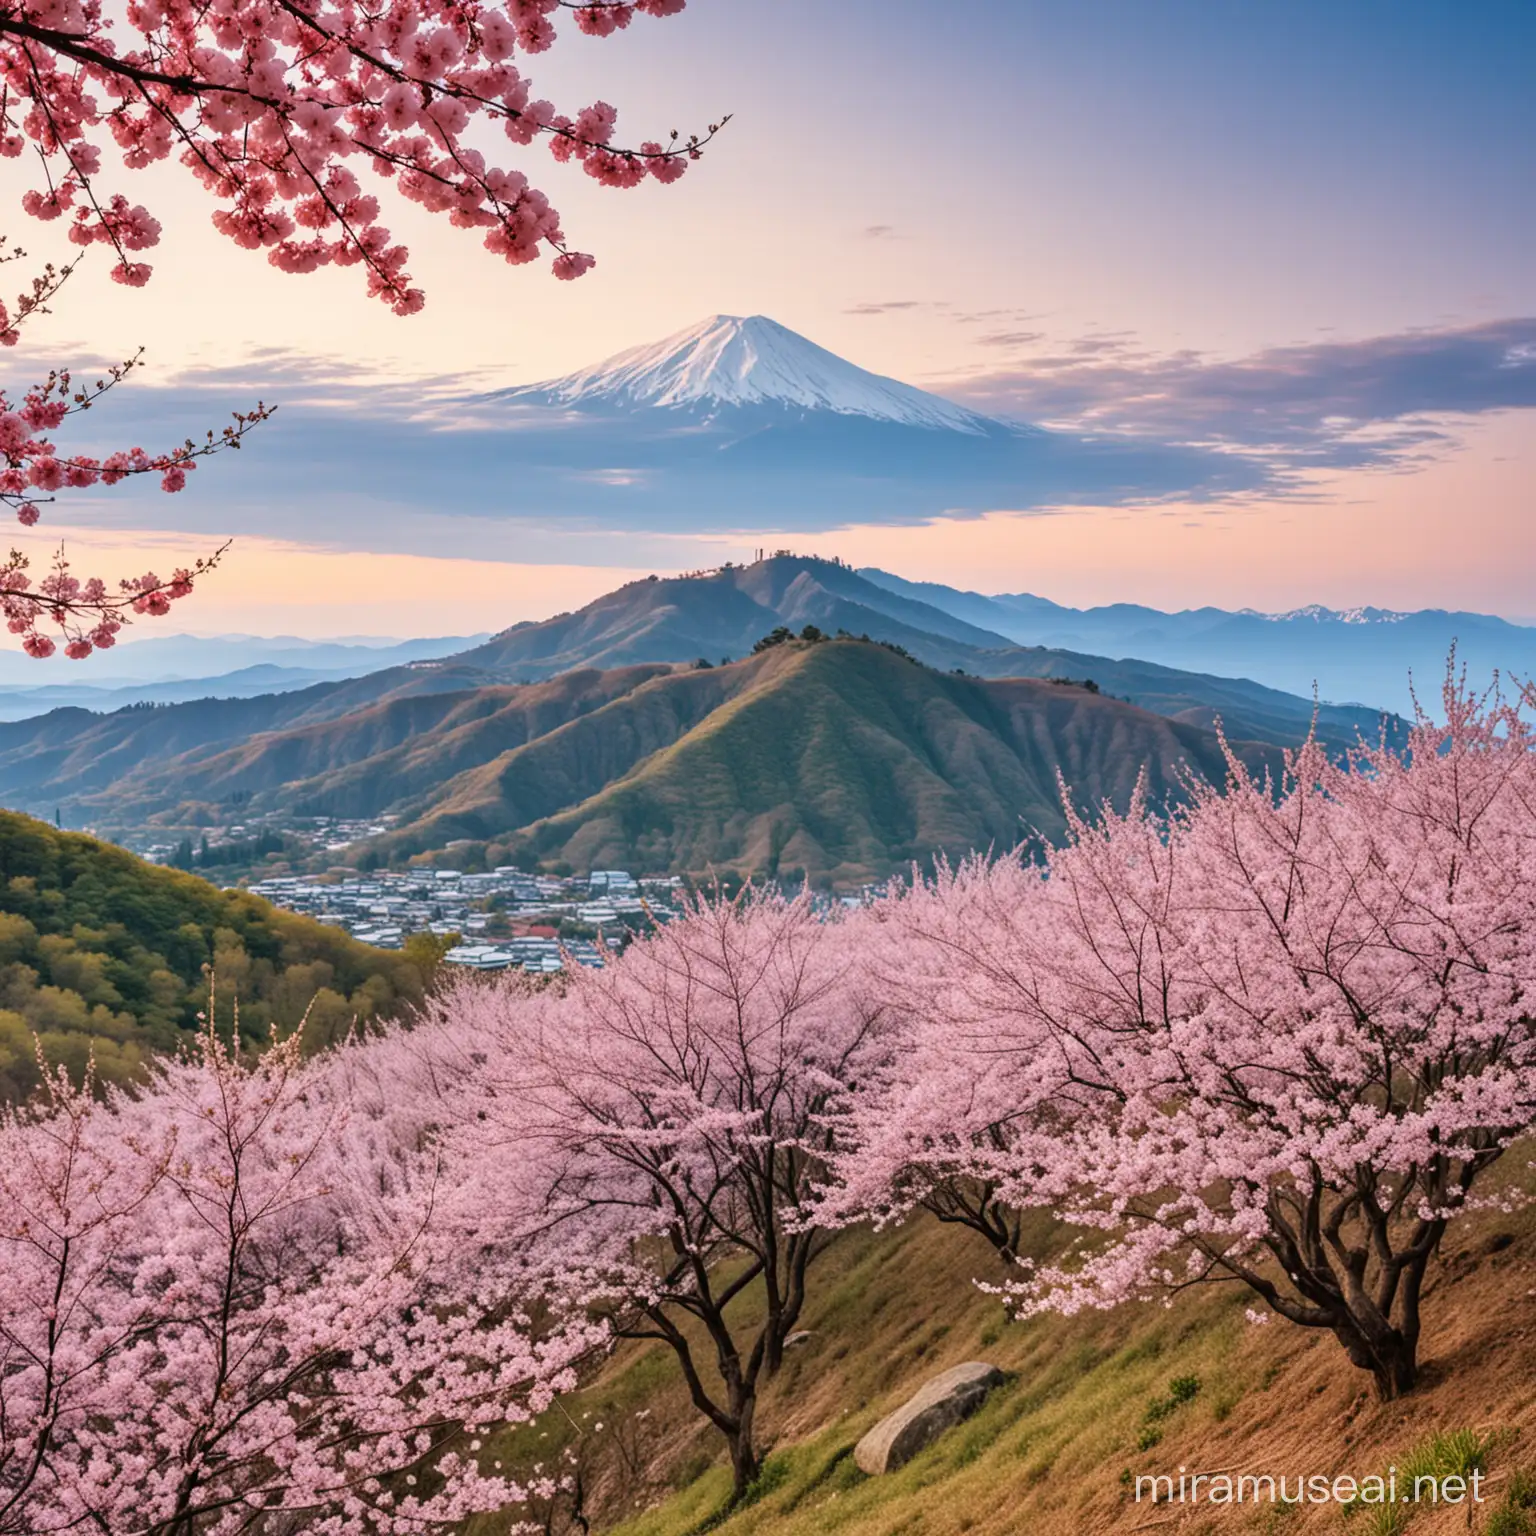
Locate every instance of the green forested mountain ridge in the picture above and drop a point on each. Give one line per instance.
(370, 762)
(369, 759)
(109, 769)
(724, 612)
(842, 760)
(101, 952)
(68, 754)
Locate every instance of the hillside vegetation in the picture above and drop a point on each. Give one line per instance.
(849, 761)
(719, 612)
(369, 758)
(838, 760)
(101, 953)
(386, 740)
(1092, 1402)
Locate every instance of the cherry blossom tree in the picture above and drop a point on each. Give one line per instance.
(70, 1202)
(1277, 1038)
(653, 1139)
(276, 106)
(223, 1312)
(86, 614)
(283, 110)
(938, 1124)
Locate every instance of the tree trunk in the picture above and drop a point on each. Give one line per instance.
(744, 1463)
(1395, 1369)
(1389, 1355)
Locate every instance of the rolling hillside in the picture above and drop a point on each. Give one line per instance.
(722, 613)
(624, 734)
(840, 759)
(1086, 1409)
(102, 954)
(1368, 654)
(178, 668)
(846, 761)
(59, 758)
(371, 758)
(71, 757)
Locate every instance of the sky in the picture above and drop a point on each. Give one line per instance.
(1294, 238)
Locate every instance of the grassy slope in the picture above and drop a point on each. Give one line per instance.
(840, 759)
(844, 759)
(569, 763)
(99, 950)
(76, 759)
(118, 769)
(1047, 1453)
(676, 619)
(672, 619)
(374, 757)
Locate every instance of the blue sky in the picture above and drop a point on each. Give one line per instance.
(1212, 223)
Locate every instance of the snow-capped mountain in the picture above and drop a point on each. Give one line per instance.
(734, 361)
(1317, 614)
(740, 423)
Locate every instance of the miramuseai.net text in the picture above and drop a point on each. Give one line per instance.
(1186, 1487)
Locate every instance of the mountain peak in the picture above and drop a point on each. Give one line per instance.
(1318, 614)
(731, 361)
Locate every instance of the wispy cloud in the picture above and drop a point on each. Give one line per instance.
(888, 307)
(997, 316)
(1336, 403)
(1010, 338)
(370, 460)
(895, 306)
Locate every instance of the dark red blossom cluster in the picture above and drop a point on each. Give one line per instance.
(86, 614)
(283, 108)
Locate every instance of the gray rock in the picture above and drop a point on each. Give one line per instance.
(936, 1406)
(796, 1340)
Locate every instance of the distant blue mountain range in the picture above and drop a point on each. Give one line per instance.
(1352, 656)
(1369, 656)
(169, 669)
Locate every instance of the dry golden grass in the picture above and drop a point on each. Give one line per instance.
(1052, 1453)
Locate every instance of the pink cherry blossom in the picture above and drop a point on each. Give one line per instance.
(657, 1117)
(273, 108)
(279, 111)
(33, 469)
(1276, 1036)
(212, 1321)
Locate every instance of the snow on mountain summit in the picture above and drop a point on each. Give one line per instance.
(1318, 614)
(731, 361)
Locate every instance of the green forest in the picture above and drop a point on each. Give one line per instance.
(103, 954)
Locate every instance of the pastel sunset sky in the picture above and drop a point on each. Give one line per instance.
(1301, 233)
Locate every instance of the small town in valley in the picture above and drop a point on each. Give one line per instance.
(504, 918)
